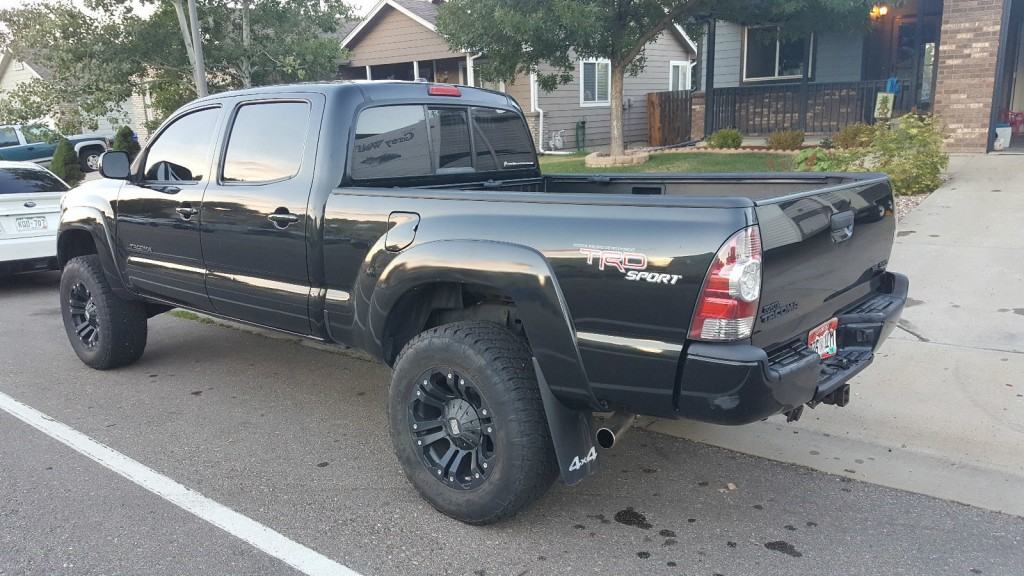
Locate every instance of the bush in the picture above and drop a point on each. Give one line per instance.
(725, 138)
(786, 140)
(908, 150)
(856, 135)
(65, 163)
(125, 140)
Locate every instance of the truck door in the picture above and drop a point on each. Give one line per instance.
(158, 211)
(255, 217)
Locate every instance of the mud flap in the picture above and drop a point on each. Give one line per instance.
(571, 434)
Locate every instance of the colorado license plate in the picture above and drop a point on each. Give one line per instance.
(823, 339)
(31, 224)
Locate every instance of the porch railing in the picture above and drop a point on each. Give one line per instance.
(828, 107)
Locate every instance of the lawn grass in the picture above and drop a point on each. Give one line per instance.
(678, 162)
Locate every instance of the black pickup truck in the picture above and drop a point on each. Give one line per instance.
(412, 221)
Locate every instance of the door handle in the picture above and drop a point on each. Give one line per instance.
(282, 218)
(186, 211)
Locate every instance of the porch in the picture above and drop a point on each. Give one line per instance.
(458, 70)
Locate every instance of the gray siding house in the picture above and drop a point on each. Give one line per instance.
(398, 40)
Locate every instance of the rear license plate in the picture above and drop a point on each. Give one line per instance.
(823, 339)
(31, 224)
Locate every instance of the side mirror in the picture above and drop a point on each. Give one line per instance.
(115, 165)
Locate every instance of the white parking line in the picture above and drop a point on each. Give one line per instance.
(261, 537)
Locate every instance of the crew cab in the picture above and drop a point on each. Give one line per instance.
(35, 143)
(412, 221)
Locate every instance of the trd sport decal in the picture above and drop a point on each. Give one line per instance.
(631, 263)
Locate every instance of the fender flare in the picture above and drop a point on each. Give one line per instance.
(93, 221)
(525, 275)
(88, 143)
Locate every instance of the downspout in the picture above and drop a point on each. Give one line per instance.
(535, 107)
(470, 75)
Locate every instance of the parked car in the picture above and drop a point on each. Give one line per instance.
(29, 213)
(411, 220)
(33, 143)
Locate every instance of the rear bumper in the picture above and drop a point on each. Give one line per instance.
(739, 383)
(28, 254)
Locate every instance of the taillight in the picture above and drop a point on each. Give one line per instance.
(444, 90)
(728, 301)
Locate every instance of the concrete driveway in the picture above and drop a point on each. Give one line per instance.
(941, 411)
(293, 441)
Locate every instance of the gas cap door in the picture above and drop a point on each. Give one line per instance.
(402, 228)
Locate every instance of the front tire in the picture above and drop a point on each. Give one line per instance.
(106, 331)
(468, 424)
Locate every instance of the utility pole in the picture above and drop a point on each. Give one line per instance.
(197, 48)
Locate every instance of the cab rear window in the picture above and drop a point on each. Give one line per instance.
(28, 180)
(417, 141)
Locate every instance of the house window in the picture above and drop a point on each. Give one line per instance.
(769, 56)
(679, 75)
(595, 82)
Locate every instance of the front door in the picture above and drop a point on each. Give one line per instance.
(158, 211)
(255, 217)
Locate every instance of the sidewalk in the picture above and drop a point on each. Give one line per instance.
(941, 411)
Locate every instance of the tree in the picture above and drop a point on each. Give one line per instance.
(101, 52)
(547, 37)
(126, 141)
(65, 163)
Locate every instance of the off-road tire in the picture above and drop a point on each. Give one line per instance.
(120, 324)
(499, 365)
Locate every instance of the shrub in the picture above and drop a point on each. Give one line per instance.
(857, 135)
(908, 150)
(125, 140)
(725, 138)
(786, 140)
(65, 163)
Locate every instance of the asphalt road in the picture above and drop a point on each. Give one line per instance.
(295, 439)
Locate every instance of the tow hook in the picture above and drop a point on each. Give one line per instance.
(613, 429)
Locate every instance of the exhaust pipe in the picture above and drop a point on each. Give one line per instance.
(613, 428)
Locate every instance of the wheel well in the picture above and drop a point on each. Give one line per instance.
(85, 149)
(74, 243)
(432, 305)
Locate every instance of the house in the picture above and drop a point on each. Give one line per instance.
(134, 111)
(398, 40)
(959, 59)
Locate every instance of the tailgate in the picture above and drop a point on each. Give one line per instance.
(823, 252)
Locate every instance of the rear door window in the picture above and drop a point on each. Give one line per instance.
(28, 180)
(501, 140)
(266, 143)
(391, 142)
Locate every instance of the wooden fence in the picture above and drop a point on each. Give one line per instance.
(669, 118)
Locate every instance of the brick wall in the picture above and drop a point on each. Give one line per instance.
(967, 71)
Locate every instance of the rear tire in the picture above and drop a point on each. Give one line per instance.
(106, 331)
(89, 158)
(498, 457)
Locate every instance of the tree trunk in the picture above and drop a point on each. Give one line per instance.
(197, 48)
(618, 147)
(185, 34)
(246, 46)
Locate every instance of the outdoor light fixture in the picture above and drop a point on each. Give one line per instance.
(879, 10)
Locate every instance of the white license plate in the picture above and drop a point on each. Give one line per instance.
(823, 339)
(31, 224)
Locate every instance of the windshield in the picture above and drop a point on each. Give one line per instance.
(29, 180)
